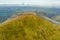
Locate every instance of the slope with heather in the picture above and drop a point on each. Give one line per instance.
(29, 27)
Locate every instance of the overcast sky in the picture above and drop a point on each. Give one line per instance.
(32, 2)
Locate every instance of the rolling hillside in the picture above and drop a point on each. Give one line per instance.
(57, 18)
(29, 26)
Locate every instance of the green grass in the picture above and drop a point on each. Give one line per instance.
(29, 27)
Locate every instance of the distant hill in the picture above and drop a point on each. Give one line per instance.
(7, 11)
(29, 26)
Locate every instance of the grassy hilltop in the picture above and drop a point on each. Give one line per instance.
(29, 27)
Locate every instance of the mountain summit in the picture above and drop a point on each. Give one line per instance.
(29, 27)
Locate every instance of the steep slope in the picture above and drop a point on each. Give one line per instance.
(29, 27)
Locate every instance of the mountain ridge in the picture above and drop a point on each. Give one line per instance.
(29, 27)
